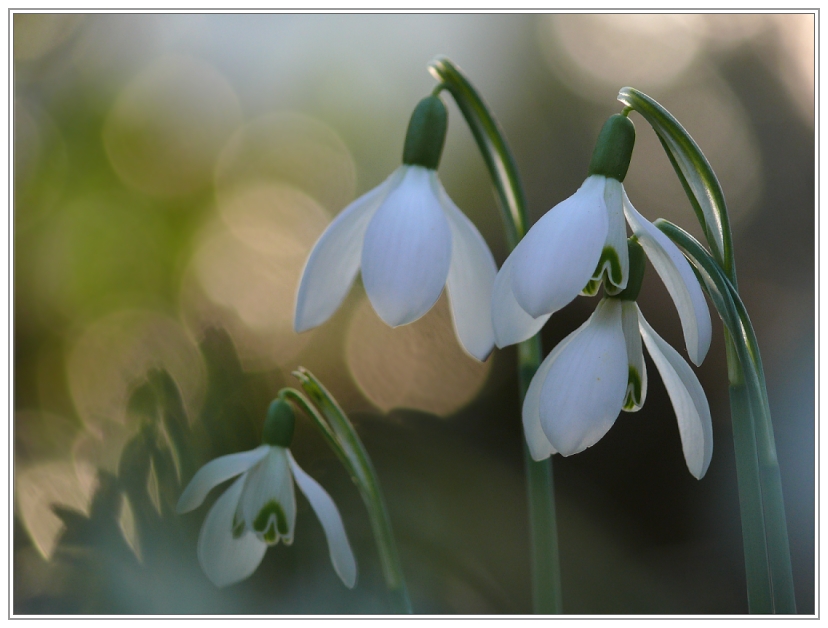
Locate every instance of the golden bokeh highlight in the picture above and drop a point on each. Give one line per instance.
(168, 125)
(596, 54)
(420, 366)
(246, 269)
(291, 148)
(113, 355)
(39, 486)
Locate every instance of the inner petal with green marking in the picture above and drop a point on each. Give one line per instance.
(271, 522)
(632, 400)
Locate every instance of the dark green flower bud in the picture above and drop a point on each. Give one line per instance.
(613, 150)
(426, 134)
(278, 426)
(637, 264)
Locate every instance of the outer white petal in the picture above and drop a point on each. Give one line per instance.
(340, 550)
(536, 440)
(680, 281)
(615, 258)
(586, 384)
(635, 358)
(214, 473)
(689, 400)
(470, 281)
(407, 250)
(558, 255)
(224, 559)
(334, 260)
(268, 481)
(511, 322)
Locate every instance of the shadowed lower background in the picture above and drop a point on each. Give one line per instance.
(172, 172)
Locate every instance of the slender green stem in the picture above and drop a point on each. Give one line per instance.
(767, 550)
(546, 578)
(340, 433)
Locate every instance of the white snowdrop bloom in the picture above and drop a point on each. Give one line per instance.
(259, 508)
(581, 242)
(598, 370)
(409, 240)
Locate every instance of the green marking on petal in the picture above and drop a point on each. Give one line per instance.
(270, 537)
(611, 263)
(633, 398)
(263, 519)
(592, 287)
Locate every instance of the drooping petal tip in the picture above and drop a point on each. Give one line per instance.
(339, 548)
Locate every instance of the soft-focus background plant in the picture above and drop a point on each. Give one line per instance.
(171, 173)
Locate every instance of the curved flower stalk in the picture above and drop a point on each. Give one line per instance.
(259, 508)
(598, 370)
(581, 242)
(409, 240)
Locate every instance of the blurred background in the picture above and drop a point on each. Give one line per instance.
(172, 172)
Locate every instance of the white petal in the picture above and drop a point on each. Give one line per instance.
(407, 250)
(679, 280)
(470, 281)
(556, 259)
(637, 378)
(536, 440)
(586, 384)
(511, 322)
(214, 473)
(340, 550)
(615, 258)
(267, 482)
(689, 400)
(224, 559)
(334, 260)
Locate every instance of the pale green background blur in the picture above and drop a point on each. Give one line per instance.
(171, 173)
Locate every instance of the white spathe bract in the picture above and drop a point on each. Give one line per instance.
(598, 370)
(410, 240)
(259, 509)
(584, 239)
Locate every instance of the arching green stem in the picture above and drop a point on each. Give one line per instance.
(546, 575)
(342, 438)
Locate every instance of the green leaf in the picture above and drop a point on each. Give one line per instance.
(695, 173)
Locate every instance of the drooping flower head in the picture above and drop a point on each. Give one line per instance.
(259, 508)
(598, 370)
(409, 240)
(581, 243)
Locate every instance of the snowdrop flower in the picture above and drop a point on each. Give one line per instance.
(259, 508)
(598, 370)
(581, 242)
(409, 240)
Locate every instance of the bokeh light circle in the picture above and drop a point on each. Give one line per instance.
(420, 366)
(291, 148)
(168, 125)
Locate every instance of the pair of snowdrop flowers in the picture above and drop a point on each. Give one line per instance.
(259, 508)
(410, 240)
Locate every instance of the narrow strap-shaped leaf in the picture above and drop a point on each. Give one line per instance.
(767, 549)
(695, 173)
(338, 429)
